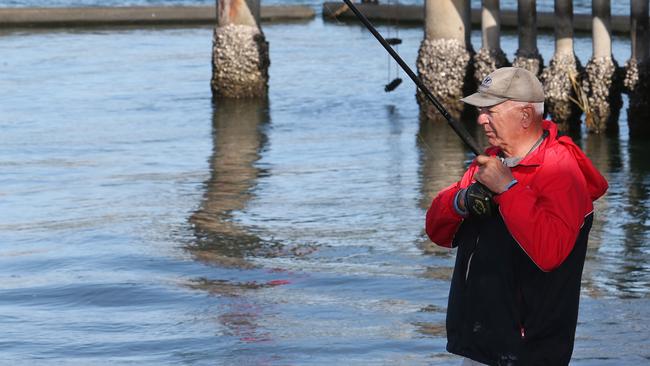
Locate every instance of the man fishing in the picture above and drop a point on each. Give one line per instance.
(520, 217)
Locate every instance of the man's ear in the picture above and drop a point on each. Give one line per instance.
(527, 115)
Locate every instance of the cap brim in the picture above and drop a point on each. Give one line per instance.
(483, 100)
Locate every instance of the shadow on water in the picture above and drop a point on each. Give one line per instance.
(239, 135)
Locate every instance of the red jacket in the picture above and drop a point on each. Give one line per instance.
(544, 211)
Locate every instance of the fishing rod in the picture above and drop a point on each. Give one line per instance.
(457, 127)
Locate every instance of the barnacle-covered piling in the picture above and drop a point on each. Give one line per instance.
(638, 84)
(443, 65)
(240, 53)
(637, 74)
(531, 61)
(444, 58)
(603, 87)
(559, 91)
(490, 57)
(601, 82)
(487, 60)
(527, 56)
(558, 88)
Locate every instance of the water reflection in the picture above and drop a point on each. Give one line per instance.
(442, 160)
(617, 256)
(632, 278)
(396, 155)
(605, 153)
(636, 231)
(239, 134)
(442, 157)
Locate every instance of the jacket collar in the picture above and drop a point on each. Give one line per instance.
(536, 157)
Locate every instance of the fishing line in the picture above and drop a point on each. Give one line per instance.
(393, 41)
(462, 133)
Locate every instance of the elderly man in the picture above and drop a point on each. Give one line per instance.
(520, 217)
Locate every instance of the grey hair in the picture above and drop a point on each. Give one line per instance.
(538, 106)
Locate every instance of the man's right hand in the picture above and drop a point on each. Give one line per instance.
(478, 201)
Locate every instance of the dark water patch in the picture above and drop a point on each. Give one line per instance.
(230, 288)
(144, 350)
(438, 273)
(86, 295)
(437, 330)
(433, 309)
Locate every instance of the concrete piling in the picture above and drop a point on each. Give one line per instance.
(601, 82)
(240, 52)
(527, 55)
(557, 77)
(637, 70)
(444, 58)
(490, 57)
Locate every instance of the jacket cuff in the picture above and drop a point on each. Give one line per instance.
(454, 209)
(459, 211)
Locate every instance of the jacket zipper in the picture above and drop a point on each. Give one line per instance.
(520, 302)
(469, 261)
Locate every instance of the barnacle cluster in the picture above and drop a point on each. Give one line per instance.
(603, 89)
(559, 91)
(443, 66)
(488, 60)
(240, 62)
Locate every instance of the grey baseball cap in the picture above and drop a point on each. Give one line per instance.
(507, 83)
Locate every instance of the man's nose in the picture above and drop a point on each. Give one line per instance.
(483, 118)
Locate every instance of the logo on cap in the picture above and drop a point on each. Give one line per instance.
(485, 84)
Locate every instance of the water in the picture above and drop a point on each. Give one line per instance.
(141, 224)
(579, 6)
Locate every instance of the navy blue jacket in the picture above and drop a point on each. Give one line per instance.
(503, 309)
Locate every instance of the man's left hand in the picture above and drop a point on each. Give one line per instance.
(493, 173)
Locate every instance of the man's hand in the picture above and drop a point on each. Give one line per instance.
(478, 201)
(493, 174)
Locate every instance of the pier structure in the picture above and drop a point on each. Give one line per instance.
(444, 59)
(240, 52)
(135, 16)
(637, 70)
(570, 88)
(602, 83)
(527, 55)
(490, 57)
(563, 72)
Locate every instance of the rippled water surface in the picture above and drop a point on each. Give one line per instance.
(143, 223)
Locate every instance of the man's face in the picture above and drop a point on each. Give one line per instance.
(500, 122)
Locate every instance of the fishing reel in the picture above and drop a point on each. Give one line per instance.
(479, 201)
